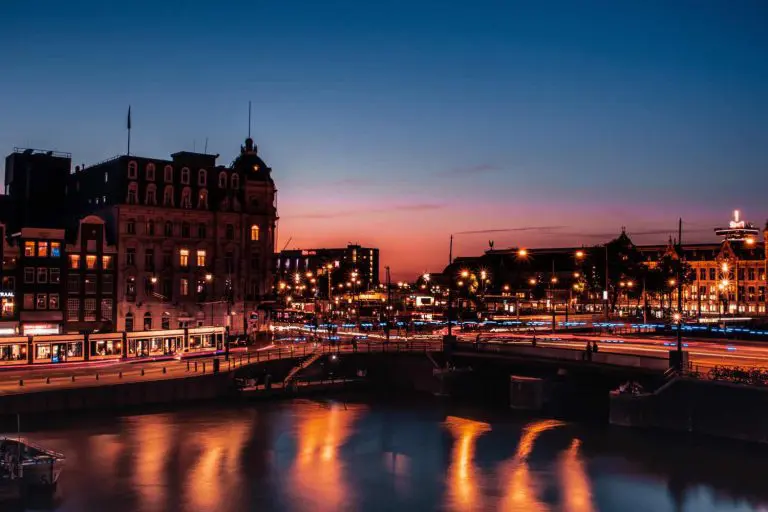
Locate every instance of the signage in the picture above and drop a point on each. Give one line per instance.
(308, 253)
(5, 294)
(37, 329)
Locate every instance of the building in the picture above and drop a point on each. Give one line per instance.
(328, 271)
(194, 239)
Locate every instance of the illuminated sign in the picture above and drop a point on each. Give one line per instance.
(736, 223)
(5, 293)
(308, 253)
(37, 329)
(423, 301)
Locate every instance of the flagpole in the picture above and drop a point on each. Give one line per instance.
(129, 130)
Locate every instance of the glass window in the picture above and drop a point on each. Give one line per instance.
(133, 193)
(42, 275)
(168, 195)
(165, 322)
(55, 276)
(90, 261)
(185, 176)
(184, 287)
(56, 249)
(147, 322)
(150, 172)
(254, 232)
(130, 256)
(222, 179)
(712, 275)
(29, 301)
(151, 228)
(90, 283)
(74, 261)
(183, 257)
(42, 301)
(168, 231)
(151, 195)
(53, 301)
(29, 248)
(741, 274)
(703, 274)
(228, 262)
(29, 274)
(130, 286)
(202, 199)
(235, 181)
(201, 231)
(167, 259)
(168, 174)
(200, 258)
(186, 197)
(73, 283)
(751, 274)
(73, 309)
(89, 310)
(185, 230)
(42, 249)
(129, 322)
(106, 262)
(149, 259)
(132, 170)
(107, 283)
(106, 309)
(201, 177)
(230, 232)
(130, 227)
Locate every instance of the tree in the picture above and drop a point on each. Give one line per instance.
(662, 276)
(624, 264)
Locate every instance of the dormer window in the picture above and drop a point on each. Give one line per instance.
(235, 181)
(185, 175)
(150, 172)
(168, 195)
(133, 170)
(222, 179)
(168, 174)
(201, 177)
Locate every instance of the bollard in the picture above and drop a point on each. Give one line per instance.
(203, 366)
(249, 358)
(73, 378)
(97, 376)
(142, 372)
(21, 382)
(164, 369)
(120, 375)
(47, 380)
(187, 365)
(195, 366)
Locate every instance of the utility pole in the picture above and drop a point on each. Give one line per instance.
(450, 289)
(552, 294)
(606, 282)
(680, 293)
(389, 304)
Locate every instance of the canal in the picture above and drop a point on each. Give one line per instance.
(421, 455)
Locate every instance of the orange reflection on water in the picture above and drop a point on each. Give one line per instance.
(152, 442)
(318, 472)
(522, 488)
(462, 476)
(576, 488)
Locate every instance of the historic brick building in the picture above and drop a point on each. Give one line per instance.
(195, 240)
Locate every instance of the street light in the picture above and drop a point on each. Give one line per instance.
(522, 253)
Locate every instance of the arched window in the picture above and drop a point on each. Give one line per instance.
(150, 172)
(222, 179)
(133, 193)
(147, 321)
(254, 232)
(168, 231)
(235, 181)
(168, 174)
(201, 177)
(129, 322)
(151, 195)
(202, 200)
(186, 197)
(185, 175)
(168, 195)
(133, 170)
(151, 228)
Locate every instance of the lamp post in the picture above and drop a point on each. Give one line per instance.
(208, 280)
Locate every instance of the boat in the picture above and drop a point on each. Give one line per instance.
(27, 469)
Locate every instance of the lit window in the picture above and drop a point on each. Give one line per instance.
(184, 257)
(106, 177)
(56, 249)
(74, 261)
(235, 181)
(168, 174)
(185, 176)
(132, 170)
(42, 301)
(53, 301)
(42, 249)
(254, 232)
(106, 262)
(200, 258)
(150, 172)
(201, 177)
(202, 200)
(184, 287)
(29, 248)
(90, 261)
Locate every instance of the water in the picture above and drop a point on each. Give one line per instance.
(330, 456)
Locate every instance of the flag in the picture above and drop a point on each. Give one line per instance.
(129, 117)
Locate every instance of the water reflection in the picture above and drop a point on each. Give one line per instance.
(151, 441)
(463, 476)
(575, 484)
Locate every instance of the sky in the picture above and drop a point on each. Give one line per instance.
(395, 124)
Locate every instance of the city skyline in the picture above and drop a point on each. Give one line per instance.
(397, 126)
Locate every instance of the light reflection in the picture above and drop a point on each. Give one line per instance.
(576, 489)
(523, 489)
(463, 477)
(152, 443)
(318, 472)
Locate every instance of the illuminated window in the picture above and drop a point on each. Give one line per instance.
(183, 257)
(42, 301)
(29, 248)
(56, 249)
(132, 170)
(201, 177)
(90, 261)
(106, 261)
(150, 172)
(200, 258)
(184, 287)
(185, 176)
(42, 249)
(254, 232)
(53, 301)
(74, 261)
(168, 195)
(106, 309)
(168, 174)
(202, 200)
(235, 181)
(222, 179)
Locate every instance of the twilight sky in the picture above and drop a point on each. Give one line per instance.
(396, 123)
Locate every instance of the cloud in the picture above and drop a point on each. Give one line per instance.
(367, 211)
(474, 169)
(510, 230)
(350, 182)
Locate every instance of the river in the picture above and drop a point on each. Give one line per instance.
(328, 455)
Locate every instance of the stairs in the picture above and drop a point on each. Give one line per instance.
(303, 364)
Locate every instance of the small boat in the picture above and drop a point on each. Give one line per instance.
(27, 470)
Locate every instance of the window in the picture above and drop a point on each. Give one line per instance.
(53, 301)
(703, 274)
(106, 262)
(254, 232)
(712, 276)
(149, 259)
(9, 283)
(29, 248)
(235, 181)
(741, 275)
(89, 310)
(73, 283)
(129, 321)
(230, 232)
(42, 275)
(184, 287)
(106, 177)
(186, 197)
(133, 193)
(150, 228)
(130, 227)
(185, 176)
(202, 199)
(201, 177)
(222, 179)
(165, 321)
(74, 261)
(151, 195)
(751, 274)
(73, 309)
(42, 301)
(255, 262)
(130, 287)
(167, 258)
(201, 230)
(147, 321)
(149, 286)
(55, 276)
(168, 229)
(90, 283)
(29, 274)
(90, 261)
(168, 174)
(55, 249)
(185, 230)
(29, 301)
(107, 283)
(106, 309)
(168, 195)
(42, 249)
(184, 258)
(130, 256)
(150, 172)
(200, 258)
(90, 246)
(228, 262)
(133, 170)
(761, 293)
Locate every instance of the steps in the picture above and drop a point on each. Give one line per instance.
(303, 364)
